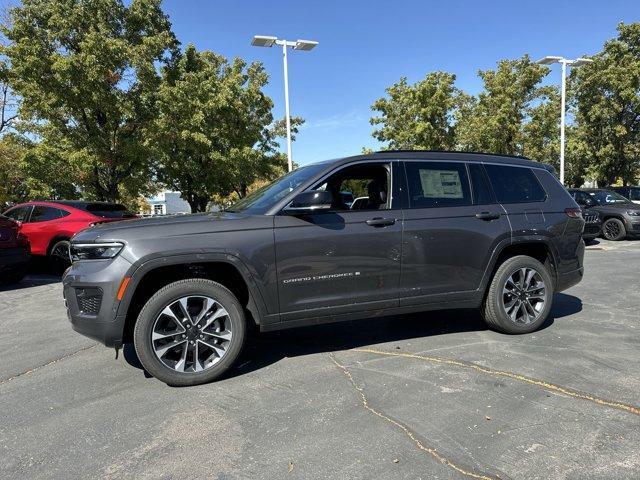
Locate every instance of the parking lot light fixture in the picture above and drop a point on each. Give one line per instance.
(549, 60)
(303, 45)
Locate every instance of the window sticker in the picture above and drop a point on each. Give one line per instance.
(441, 183)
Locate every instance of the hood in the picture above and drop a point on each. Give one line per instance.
(616, 207)
(167, 226)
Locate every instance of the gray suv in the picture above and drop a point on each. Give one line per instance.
(431, 230)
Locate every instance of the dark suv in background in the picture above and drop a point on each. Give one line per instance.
(432, 230)
(632, 193)
(620, 216)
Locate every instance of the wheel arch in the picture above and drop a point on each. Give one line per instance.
(57, 238)
(227, 270)
(540, 248)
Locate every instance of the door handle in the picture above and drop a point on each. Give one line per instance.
(487, 216)
(381, 222)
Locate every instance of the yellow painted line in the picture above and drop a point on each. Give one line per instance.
(431, 451)
(515, 376)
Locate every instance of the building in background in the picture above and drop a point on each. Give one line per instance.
(166, 202)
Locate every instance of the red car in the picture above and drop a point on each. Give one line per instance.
(50, 225)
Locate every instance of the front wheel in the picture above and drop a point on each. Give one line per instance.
(190, 332)
(519, 297)
(613, 229)
(59, 254)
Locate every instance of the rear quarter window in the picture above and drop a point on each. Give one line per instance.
(107, 210)
(515, 184)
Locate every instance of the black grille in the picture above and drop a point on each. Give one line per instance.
(89, 300)
(635, 227)
(591, 217)
(592, 229)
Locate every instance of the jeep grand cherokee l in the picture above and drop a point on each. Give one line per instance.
(438, 230)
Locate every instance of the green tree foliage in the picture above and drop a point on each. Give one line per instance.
(607, 97)
(419, 116)
(495, 122)
(87, 74)
(212, 135)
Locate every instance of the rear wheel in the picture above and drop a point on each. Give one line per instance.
(190, 332)
(519, 297)
(613, 229)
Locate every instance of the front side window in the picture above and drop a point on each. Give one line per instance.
(19, 214)
(634, 194)
(515, 184)
(364, 186)
(437, 184)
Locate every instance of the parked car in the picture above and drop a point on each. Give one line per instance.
(50, 225)
(14, 252)
(620, 217)
(632, 193)
(441, 230)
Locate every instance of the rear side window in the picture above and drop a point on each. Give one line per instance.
(43, 214)
(515, 184)
(437, 184)
(634, 194)
(481, 191)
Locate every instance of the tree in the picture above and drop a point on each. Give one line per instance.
(212, 133)
(87, 73)
(607, 97)
(419, 116)
(495, 122)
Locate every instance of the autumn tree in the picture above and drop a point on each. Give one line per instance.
(212, 135)
(419, 116)
(607, 98)
(87, 74)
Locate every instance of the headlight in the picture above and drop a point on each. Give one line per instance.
(635, 213)
(94, 251)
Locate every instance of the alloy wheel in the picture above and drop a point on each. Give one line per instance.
(611, 230)
(192, 334)
(524, 296)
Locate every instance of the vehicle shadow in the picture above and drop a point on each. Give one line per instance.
(264, 349)
(40, 272)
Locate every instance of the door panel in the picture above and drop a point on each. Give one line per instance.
(333, 259)
(346, 259)
(448, 236)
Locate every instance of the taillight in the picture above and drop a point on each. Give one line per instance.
(573, 212)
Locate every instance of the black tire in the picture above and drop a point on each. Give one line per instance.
(493, 309)
(613, 229)
(167, 295)
(56, 256)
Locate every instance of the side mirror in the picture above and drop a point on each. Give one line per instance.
(309, 202)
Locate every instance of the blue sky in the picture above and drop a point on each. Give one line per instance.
(366, 46)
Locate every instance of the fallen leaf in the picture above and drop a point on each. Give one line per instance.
(487, 417)
(290, 467)
(395, 460)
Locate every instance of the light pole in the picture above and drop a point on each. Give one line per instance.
(305, 45)
(563, 98)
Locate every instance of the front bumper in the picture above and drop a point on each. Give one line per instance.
(96, 317)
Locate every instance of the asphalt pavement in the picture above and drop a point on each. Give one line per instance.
(433, 395)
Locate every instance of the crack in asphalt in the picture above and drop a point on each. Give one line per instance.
(56, 360)
(514, 376)
(408, 432)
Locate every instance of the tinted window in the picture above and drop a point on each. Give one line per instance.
(634, 194)
(606, 197)
(481, 191)
(437, 184)
(515, 184)
(43, 214)
(19, 214)
(108, 210)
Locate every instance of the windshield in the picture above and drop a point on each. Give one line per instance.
(264, 198)
(607, 197)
